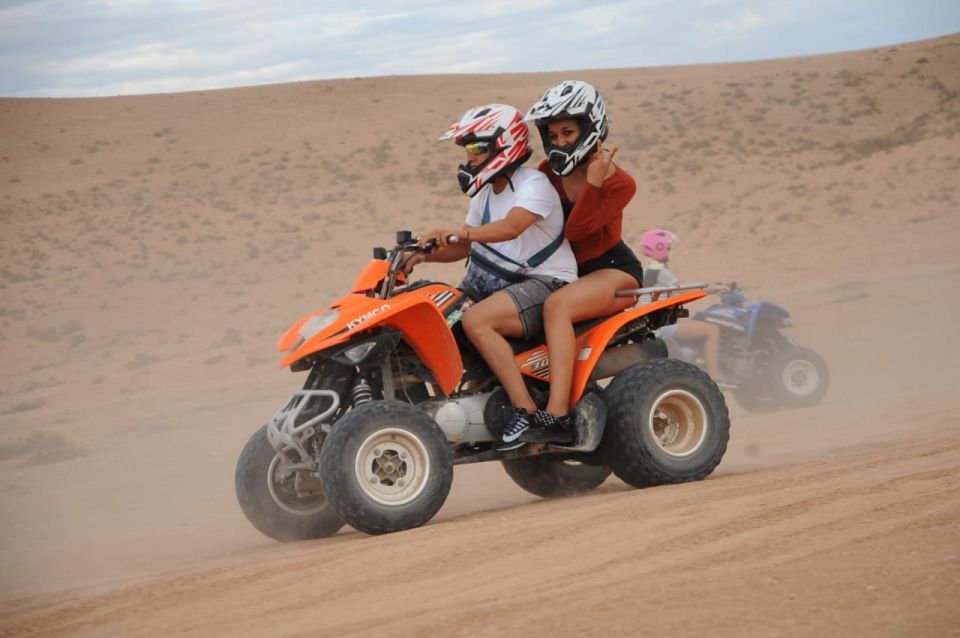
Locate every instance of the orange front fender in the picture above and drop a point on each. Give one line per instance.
(425, 329)
(292, 335)
(356, 312)
(371, 276)
(423, 326)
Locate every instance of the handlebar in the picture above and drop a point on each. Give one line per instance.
(407, 245)
(431, 245)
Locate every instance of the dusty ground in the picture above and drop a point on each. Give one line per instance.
(153, 248)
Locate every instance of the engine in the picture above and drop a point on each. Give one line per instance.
(461, 419)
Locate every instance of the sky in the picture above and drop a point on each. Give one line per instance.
(87, 48)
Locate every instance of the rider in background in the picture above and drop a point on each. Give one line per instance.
(572, 120)
(656, 245)
(514, 237)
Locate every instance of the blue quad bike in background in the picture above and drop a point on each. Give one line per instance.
(765, 369)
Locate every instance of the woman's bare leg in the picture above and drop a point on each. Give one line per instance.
(486, 325)
(694, 330)
(587, 298)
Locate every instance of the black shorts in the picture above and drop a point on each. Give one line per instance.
(620, 257)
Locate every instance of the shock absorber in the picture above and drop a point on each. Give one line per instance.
(362, 392)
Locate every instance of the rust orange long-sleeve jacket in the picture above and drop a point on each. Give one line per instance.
(596, 222)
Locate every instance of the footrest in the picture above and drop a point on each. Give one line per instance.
(589, 419)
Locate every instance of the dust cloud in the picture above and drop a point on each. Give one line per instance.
(155, 247)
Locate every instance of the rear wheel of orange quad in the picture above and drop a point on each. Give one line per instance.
(386, 466)
(278, 503)
(667, 422)
(550, 476)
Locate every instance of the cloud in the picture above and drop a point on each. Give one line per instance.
(450, 53)
(727, 18)
(148, 57)
(493, 13)
(601, 21)
(52, 47)
(745, 29)
(746, 20)
(295, 70)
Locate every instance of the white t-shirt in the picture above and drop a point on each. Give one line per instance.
(532, 191)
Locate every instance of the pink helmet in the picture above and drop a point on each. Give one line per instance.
(503, 128)
(656, 243)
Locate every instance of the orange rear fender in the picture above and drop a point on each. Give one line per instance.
(592, 343)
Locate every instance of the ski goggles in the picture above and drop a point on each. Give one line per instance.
(475, 148)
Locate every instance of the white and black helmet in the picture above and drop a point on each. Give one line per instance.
(577, 100)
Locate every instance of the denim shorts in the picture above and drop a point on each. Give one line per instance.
(529, 295)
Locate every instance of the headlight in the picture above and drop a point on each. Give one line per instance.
(314, 325)
(370, 351)
(356, 354)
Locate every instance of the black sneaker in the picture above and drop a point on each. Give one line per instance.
(549, 428)
(518, 424)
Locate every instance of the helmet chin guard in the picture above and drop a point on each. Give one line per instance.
(503, 127)
(570, 99)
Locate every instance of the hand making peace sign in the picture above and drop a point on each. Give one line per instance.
(601, 165)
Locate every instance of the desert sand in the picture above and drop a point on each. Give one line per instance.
(153, 248)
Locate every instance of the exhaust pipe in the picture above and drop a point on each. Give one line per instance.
(615, 360)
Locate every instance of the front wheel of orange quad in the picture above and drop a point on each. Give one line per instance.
(667, 422)
(277, 501)
(386, 466)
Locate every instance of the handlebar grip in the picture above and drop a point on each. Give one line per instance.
(431, 244)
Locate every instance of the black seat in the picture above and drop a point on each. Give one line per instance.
(522, 345)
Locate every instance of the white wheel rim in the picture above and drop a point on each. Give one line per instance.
(678, 423)
(311, 506)
(392, 467)
(800, 377)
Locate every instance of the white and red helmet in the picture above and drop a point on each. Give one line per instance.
(503, 128)
(657, 243)
(570, 99)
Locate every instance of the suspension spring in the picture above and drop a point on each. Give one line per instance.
(362, 392)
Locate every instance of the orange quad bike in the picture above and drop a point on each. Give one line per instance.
(396, 395)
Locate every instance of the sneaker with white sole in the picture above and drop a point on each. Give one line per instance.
(518, 424)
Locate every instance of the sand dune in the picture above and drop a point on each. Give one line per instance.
(153, 248)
